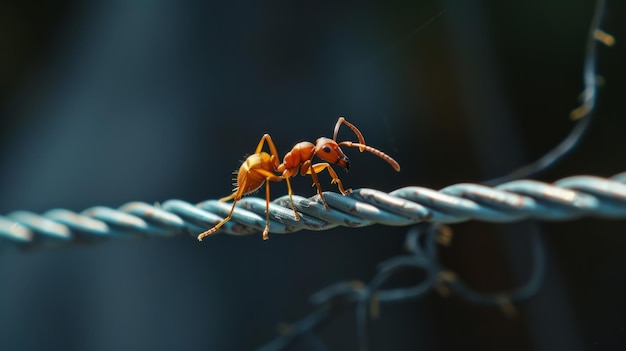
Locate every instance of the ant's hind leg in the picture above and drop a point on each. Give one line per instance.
(229, 197)
(266, 231)
(219, 225)
(267, 138)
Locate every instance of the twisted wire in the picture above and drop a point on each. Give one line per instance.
(421, 246)
(565, 199)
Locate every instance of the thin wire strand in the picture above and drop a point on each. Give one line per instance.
(421, 244)
(583, 114)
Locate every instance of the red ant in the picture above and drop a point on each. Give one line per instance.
(259, 168)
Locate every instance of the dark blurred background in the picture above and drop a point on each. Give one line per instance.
(102, 103)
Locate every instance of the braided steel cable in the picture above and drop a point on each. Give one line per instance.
(565, 199)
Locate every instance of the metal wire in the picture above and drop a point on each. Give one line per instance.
(421, 244)
(584, 114)
(566, 199)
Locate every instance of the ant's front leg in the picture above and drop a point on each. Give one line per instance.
(307, 169)
(318, 167)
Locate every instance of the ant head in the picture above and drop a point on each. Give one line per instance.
(328, 150)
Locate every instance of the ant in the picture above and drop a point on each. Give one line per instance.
(259, 168)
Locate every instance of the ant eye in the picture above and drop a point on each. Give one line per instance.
(326, 149)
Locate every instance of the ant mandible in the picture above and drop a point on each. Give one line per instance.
(258, 168)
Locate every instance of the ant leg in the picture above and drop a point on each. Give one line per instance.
(275, 159)
(318, 167)
(229, 197)
(293, 206)
(354, 129)
(306, 169)
(269, 177)
(267, 138)
(266, 231)
(219, 225)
